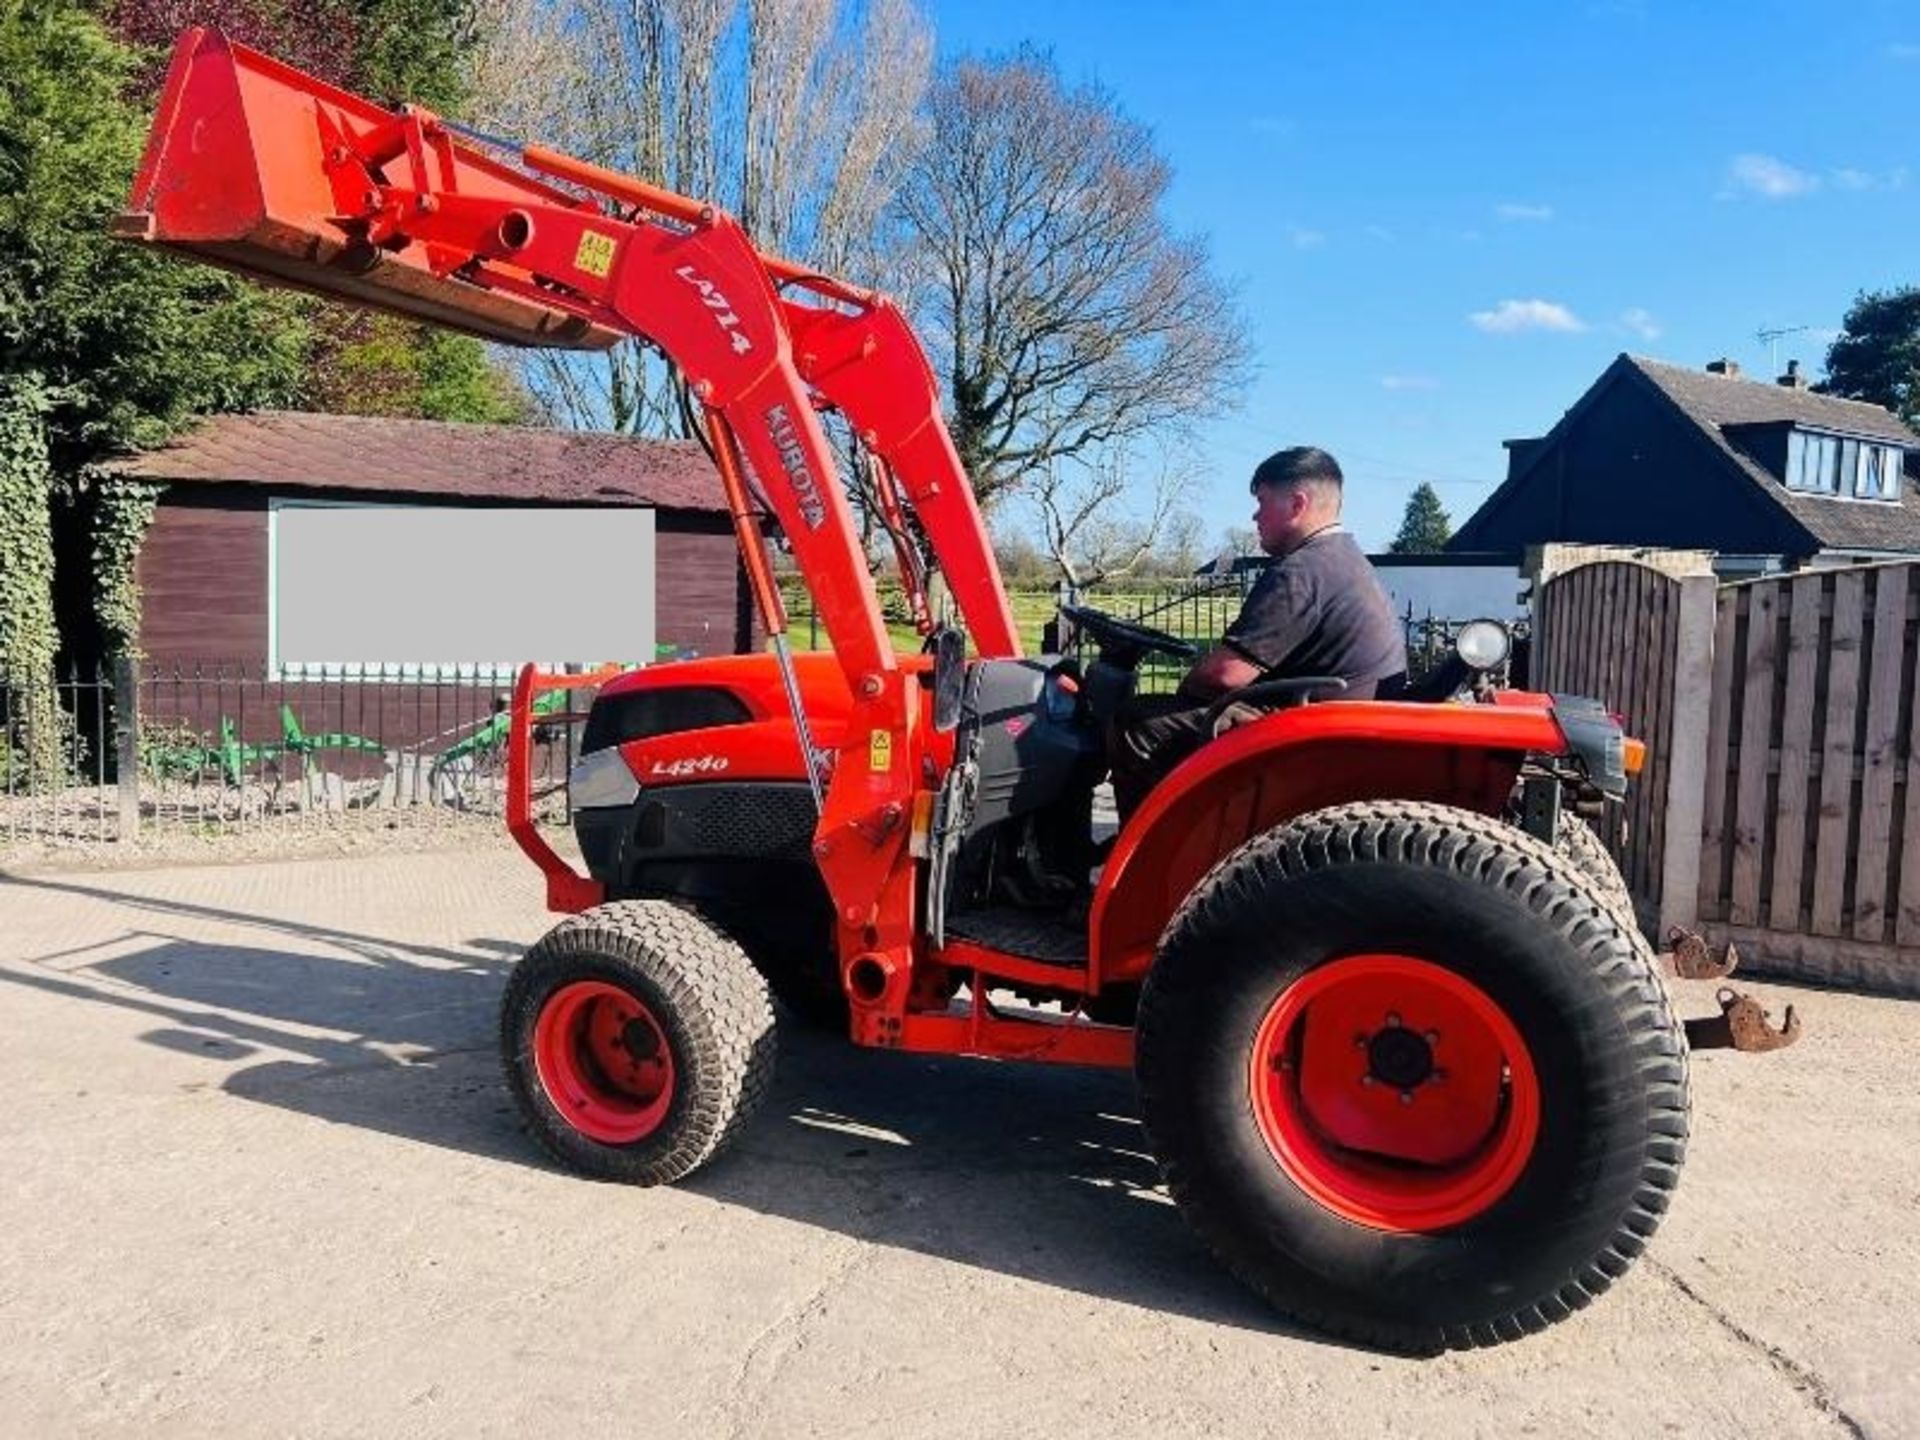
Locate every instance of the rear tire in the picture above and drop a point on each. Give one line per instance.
(1570, 1076)
(637, 1040)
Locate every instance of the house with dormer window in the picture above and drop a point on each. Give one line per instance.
(1766, 473)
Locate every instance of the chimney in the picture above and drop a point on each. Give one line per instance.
(1724, 366)
(1793, 379)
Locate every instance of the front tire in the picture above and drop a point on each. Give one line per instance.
(1410, 1076)
(637, 1040)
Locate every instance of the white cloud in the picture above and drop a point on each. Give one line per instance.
(1381, 233)
(1305, 239)
(1513, 210)
(1847, 177)
(1408, 382)
(1641, 323)
(1903, 50)
(1769, 177)
(1510, 317)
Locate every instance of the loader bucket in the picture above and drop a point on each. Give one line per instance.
(234, 174)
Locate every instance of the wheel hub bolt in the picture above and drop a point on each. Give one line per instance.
(1400, 1058)
(639, 1040)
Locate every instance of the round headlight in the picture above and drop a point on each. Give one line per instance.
(1483, 644)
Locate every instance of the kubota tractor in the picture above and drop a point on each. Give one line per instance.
(1404, 1058)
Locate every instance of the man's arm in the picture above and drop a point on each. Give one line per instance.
(1215, 673)
(1272, 621)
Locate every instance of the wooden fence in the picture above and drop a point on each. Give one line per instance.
(1811, 842)
(1780, 808)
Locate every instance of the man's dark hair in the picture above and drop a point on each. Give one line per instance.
(1301, 465)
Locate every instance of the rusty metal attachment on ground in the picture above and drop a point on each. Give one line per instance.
(1690, 957)
(1741, 1025)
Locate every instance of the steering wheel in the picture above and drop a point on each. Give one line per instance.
(1128, 640)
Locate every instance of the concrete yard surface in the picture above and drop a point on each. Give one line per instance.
(261, 1178)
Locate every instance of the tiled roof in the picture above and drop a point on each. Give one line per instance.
(1714, 399)
(292, 450)
(1714, 402)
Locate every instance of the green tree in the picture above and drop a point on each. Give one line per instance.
(383, 365)
(1425, 528)
(102, 345)
(397, 49)
(30, 745)
(1877, 356)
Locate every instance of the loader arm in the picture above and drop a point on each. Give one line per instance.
(398, 211)
(258, 167)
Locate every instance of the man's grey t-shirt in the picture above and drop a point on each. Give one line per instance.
(1320, 610)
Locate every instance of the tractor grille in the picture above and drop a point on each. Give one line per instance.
(768, 821)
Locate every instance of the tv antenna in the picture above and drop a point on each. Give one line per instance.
(1771, 336)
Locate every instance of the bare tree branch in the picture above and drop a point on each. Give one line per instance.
(1093, 522)
(798, 116)
(1067, 315)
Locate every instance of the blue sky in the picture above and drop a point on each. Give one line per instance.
(1445, 219)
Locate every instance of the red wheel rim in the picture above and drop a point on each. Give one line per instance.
(1396, 1093)
(604, 1061)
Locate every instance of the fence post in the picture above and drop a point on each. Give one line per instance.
(1686, 758)
(126, 737)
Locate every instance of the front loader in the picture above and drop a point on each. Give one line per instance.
(1405, 1061)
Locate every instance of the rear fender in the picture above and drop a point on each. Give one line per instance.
(1264, 773)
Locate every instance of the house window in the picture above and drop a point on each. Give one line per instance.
(1879, 474)
(1813, 463)
(1830, 465)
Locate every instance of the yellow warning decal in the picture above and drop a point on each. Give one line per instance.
(880, 751)
(595, 255)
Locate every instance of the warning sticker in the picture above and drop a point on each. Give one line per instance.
(880, 751)
(595, 255)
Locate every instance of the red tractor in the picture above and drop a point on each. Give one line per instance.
(1406, 1063)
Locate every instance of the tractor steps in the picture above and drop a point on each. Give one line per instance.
(1033, 935)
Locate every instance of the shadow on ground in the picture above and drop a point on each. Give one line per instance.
(1035, 1172)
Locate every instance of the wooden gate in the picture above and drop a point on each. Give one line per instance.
(1627, 632)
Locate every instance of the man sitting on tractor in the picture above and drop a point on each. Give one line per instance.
(1318, 609)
